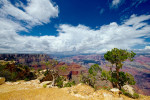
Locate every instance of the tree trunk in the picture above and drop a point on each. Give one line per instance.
(111, 68)
(53, 82)
(117, 72)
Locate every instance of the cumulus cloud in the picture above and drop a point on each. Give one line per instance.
(41, 10)
(145, 50)
(18, 17)
(81, 38)
(147, 47)
(35, 13)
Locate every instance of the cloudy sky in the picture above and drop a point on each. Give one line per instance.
(81, 26)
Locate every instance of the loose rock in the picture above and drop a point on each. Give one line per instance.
(2, 80)
(115, 91)
(128, 89)
(46, 83)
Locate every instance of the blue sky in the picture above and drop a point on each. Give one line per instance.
(74, 26)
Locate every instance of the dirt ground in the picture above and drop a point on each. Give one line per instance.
(29, 92)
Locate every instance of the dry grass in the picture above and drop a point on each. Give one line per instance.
(79, 92)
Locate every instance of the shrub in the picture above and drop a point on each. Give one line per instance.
(134, 96)
(2, 67)
(30, 75)
(8, 75)
(69, 84)
(46, 72)
(13, 76)
(59, 81)
(92, 76)
(39, 70)
(26, 79)
(128, 94)
(63, 68)
(44, 85)
(13, 72)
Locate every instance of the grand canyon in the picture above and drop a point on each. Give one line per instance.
(139, 68)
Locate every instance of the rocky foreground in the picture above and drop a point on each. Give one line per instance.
(32, 90)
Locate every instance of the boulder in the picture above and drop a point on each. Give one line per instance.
(2, 80)
(36, 81)
(115, 91)
(128, 89)
(16, 83)
(28, 83)
(9, 83)
(46, 83)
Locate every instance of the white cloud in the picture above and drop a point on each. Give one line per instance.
(116, 3)
(81, 38)
(136, 20)
(41, 10)
(36, 12)
(147, 47)
(136, 3)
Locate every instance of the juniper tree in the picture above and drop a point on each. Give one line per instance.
(93, 71)
(117, 57)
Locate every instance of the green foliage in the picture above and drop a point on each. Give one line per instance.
(117, 56)
(124, 78)
(46, 72)
(26, 79)
(90, 79)
(59, 81)
(84, 79)
(134, 96)
(94, 69)
(13, 76)
(117, 78)
(50, 64)
(39, 70)
(69, 84)
(13, 72)
(44, 86)
(63, 68)
(2, 67)
(130, 79)
(105, 75)
(126, 93)
(6, 74)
